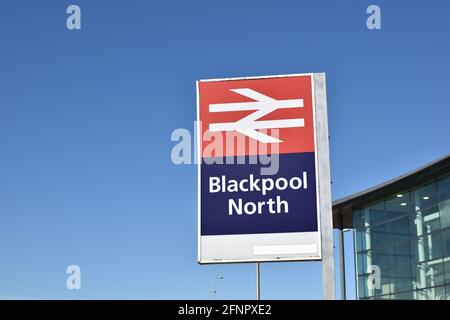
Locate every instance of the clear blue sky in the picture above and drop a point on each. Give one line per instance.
(86, 117)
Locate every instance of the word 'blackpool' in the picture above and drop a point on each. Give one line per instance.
(251, 184)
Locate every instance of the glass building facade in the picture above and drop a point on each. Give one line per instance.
(402, 244)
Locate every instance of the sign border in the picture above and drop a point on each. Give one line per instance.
(321, 166)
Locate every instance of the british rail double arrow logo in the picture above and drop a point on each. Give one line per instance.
(263, 105)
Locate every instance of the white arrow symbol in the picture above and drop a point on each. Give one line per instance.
(263, 106)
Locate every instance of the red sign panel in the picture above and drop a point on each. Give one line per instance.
(265, 111)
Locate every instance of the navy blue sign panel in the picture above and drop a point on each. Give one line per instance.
(237, 199)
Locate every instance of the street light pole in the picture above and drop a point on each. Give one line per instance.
(214, 285)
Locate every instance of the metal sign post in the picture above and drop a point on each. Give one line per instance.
(326, 218)
(258, 281)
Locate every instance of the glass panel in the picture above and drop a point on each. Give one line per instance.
(427, 294)
(425, 196)
(428, 247)
(378, 238)
(404, 267)
(361, 236)
(358, 222)
(360, 264)
(429, 274)
(421, 295)
(444, 210)
(438, 269)
(385, 284)
(401, 225)
(374, 214)
(403, 284)
(405, 295)
(366, 239)
(440, 293)
(367, 261)
(446, 243)
(380, 260)
(431, 219)
(427, 221)
(447, 270)
(402, 246)
(362, 287)
(390, 270)
(398, 205)
(443, 186)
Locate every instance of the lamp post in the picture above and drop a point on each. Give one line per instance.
(214, 291)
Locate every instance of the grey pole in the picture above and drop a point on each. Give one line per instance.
(258, 282)
(323, 166)
(342, 268)
(214, 285)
